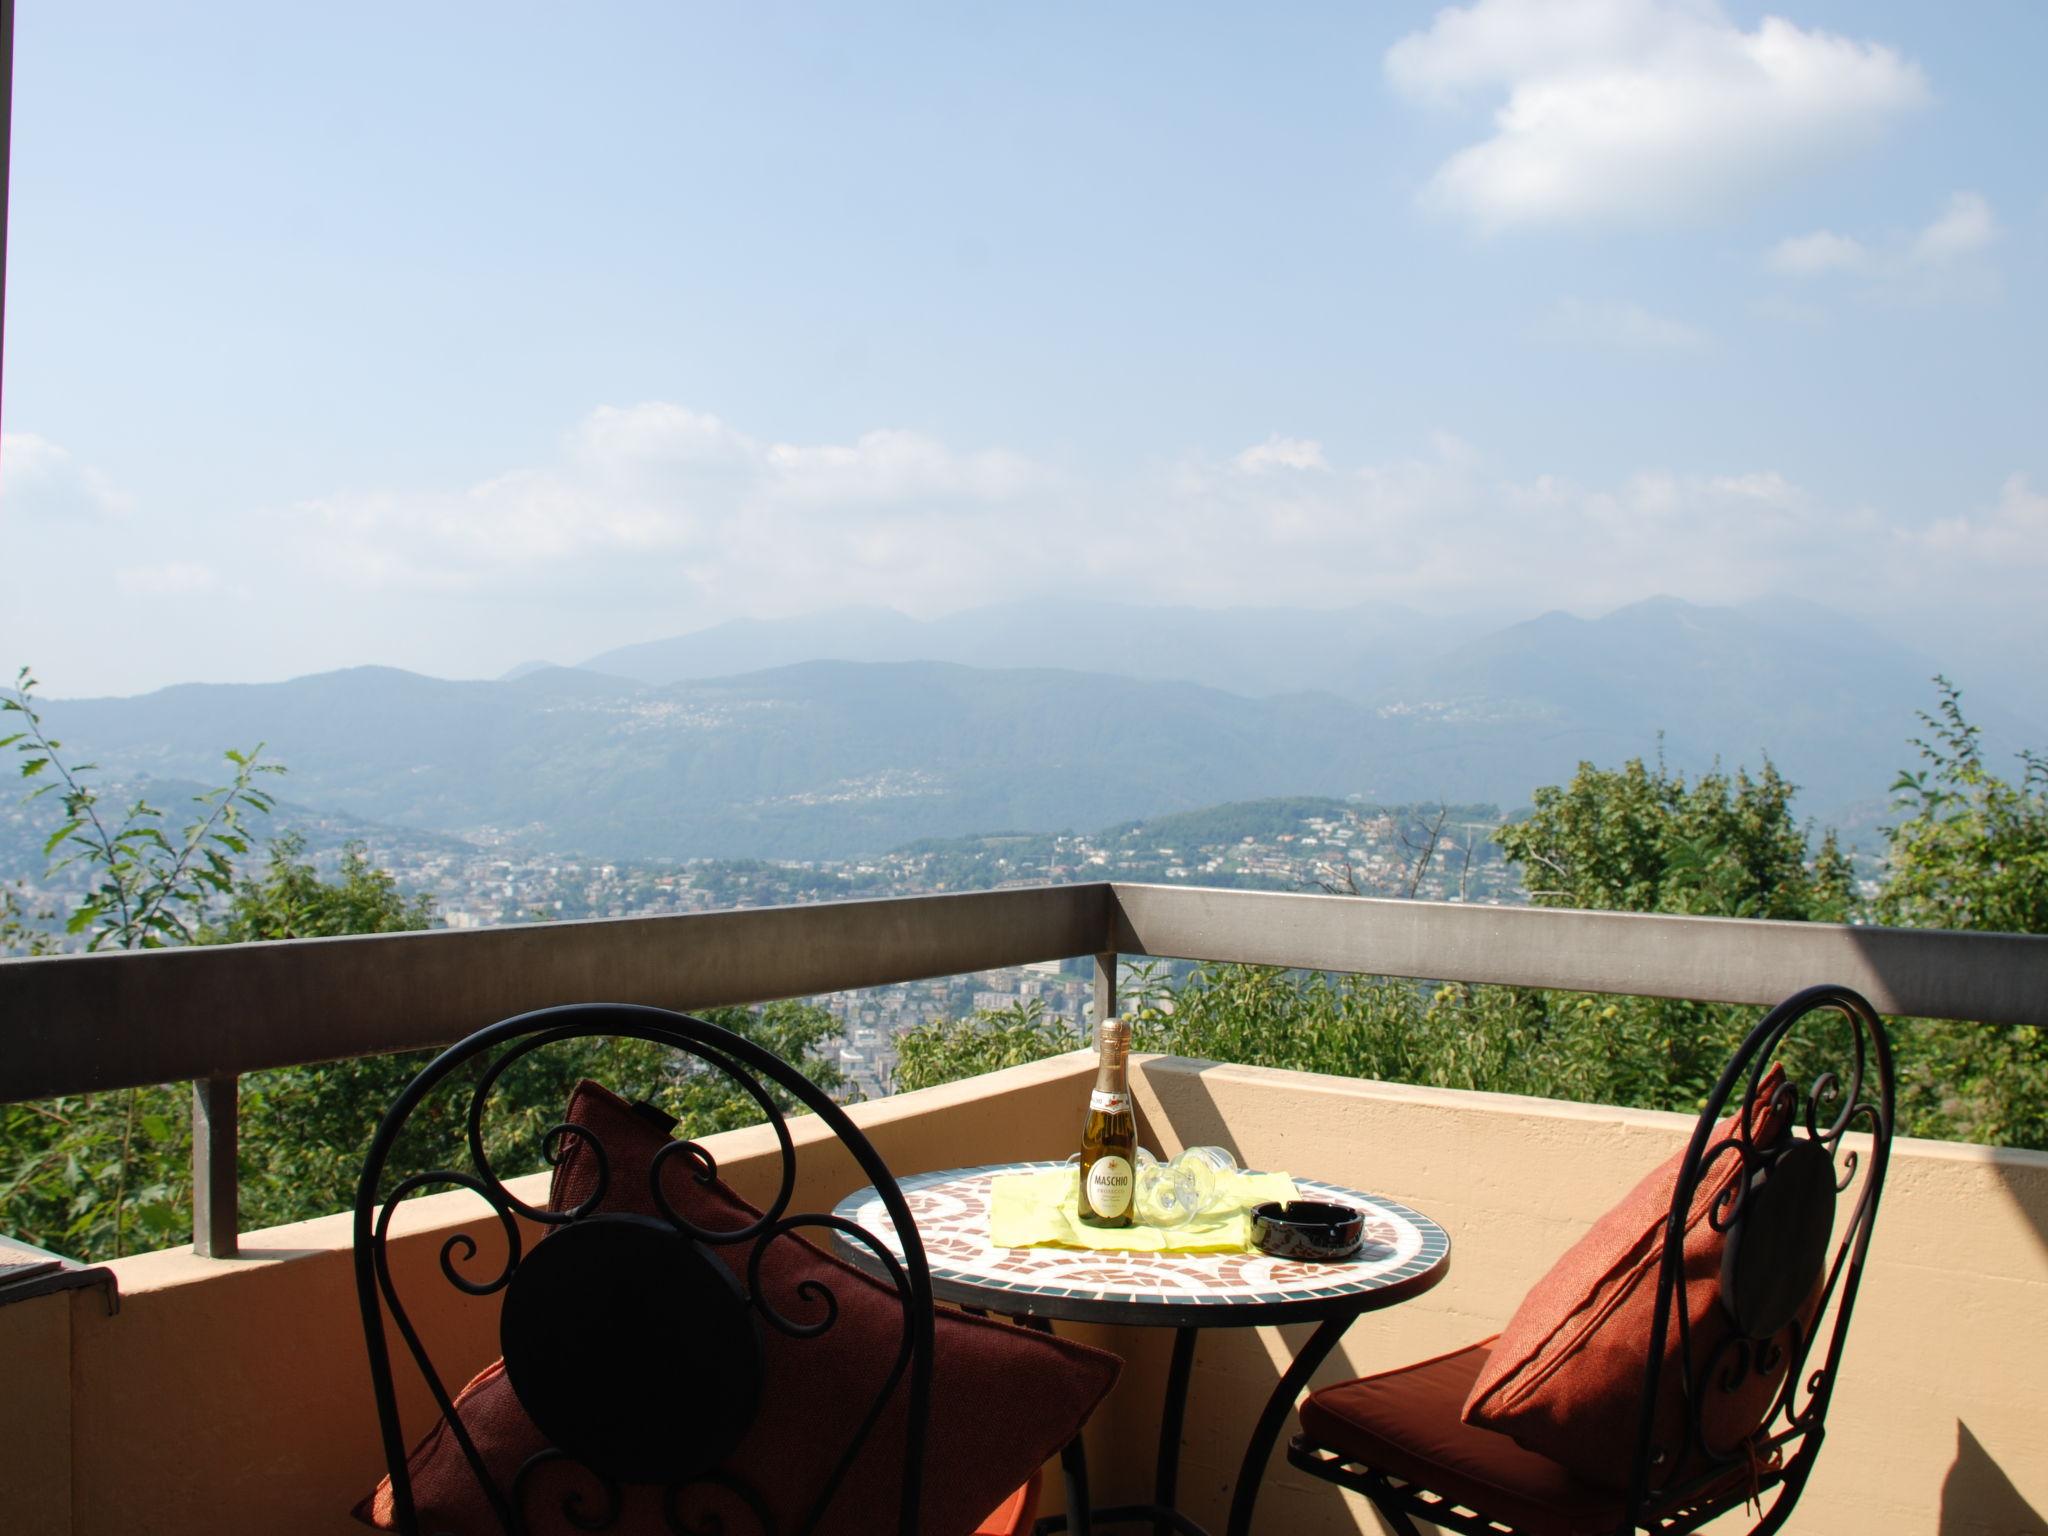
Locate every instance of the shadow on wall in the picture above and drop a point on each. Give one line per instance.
(1197, 1120)
(1978, 1499)
(2023, 1175)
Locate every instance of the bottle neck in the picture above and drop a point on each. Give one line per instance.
(1111, 1075)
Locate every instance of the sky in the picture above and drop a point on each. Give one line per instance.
(452, 336)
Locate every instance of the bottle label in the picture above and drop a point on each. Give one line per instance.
(1109, 1103)
(1109, 1186)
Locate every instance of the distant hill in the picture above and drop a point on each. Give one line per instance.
(823, 759)
(1258, 652)
(1826, 697)
(1214, 824)
(833, 758)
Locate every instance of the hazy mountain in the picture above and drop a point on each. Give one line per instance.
(513, 674)
(1830, 700)
(825, 758)
(828, 758)
(1254, 651)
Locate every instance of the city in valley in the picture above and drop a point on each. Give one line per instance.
(1434, 852)
(496, 875)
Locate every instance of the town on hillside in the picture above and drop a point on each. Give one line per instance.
(1309, 844)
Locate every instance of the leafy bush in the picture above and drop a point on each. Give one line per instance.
(1973, 853)
(99, 1175)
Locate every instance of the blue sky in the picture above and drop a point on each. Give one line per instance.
(445, 336)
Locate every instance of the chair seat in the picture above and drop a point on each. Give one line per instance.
(1406, 1424)
(1016, 1515)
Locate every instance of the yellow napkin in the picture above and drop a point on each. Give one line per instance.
(1043, 1210)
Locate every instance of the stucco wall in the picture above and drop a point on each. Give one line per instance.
(35, 1412)
(1940, 1420)
(230, 1396)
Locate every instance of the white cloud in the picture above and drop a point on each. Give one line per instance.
(2012, 532)
(655, 519)
(1821, 251)
(679, 492)
(40, 480)
(1278, 452)
(1962, 229)
(1943, 259)
(660, 510)
(1642, 111)
(171, 577)
(1622, 327)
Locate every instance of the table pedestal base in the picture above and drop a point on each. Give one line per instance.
(1082, 1517)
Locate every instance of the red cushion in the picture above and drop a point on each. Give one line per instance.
(1016, 1515)
(1004, 1399)
(1406, 1424)
(1565, 1378)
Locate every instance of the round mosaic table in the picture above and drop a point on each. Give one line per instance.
(1404, 1254)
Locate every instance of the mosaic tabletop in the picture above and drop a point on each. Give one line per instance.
(1404, 1253)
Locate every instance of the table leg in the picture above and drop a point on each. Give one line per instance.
(1166, 1520)
(1173, 1412)
(1278, 1407)
(1073, 1466)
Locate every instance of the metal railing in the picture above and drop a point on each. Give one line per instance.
(209, 1015)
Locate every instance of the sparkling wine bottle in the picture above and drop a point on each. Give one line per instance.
(1109, 1142)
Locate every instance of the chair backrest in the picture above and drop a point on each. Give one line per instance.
(609, 1319)
(1793, 1155)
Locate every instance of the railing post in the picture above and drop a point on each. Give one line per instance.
(1105, 986)
(216, 1183)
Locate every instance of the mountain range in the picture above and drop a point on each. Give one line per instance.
(1354, 652)
(830, 756)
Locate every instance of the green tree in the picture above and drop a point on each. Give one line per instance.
(291, 901)
(98, 1175)
(1971, 853)
(1633, 839)
(85, 1171)
(306, 1128)
(147, 888)
(301, 1125)
(22, 931)
(1637, 840)
(946, 1050)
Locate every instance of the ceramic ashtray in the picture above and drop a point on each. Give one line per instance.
(1307, 1229)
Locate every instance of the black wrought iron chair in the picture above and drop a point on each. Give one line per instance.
(635, 1328)
(1718, 1429)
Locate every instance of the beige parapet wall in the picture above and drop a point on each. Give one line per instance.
(230, 1396)
(1940, 1419)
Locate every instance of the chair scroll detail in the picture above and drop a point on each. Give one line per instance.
(1777, 1215)
(1735, 1381)
(633, 1341)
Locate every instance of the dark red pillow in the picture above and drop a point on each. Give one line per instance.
(1565, 1378)
(1004, 1399)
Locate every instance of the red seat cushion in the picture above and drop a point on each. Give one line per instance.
(1565, 1377)
(1004, 1399)
(1406, 1424)
(1016, 1515)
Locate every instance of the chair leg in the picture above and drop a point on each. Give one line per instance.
(1788, 1493)
(1397, 1519)
(1074, 1463)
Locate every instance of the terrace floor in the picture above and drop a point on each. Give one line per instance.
(230, 1395)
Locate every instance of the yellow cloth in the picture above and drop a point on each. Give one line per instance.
(1043, 1210)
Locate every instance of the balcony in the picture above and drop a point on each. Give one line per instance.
(229, 1392)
